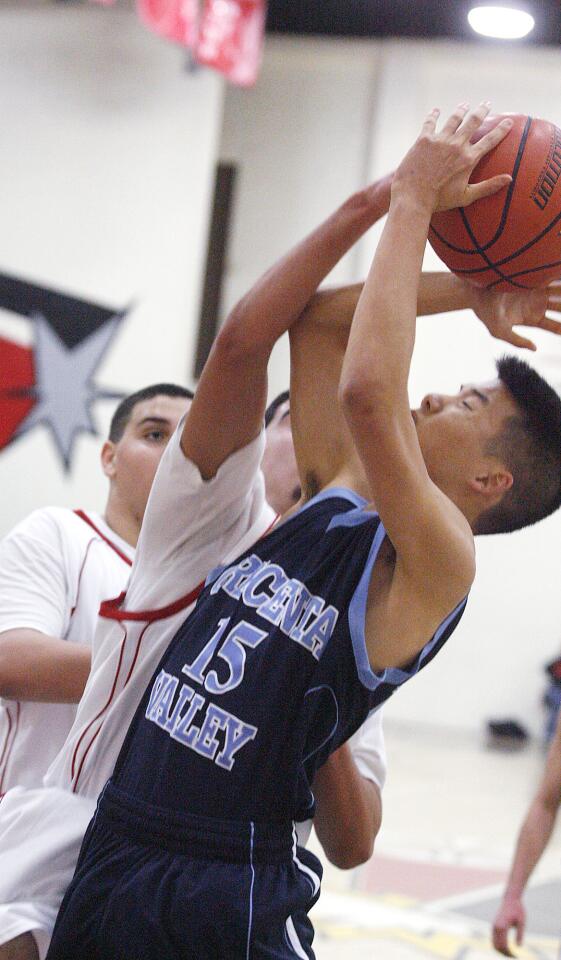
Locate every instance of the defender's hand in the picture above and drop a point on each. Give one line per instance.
(511, 914)
(501, 311)
(437, 168)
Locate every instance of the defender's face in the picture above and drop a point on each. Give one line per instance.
(137, 454)
(454, 431)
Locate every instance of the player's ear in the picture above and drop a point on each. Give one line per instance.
(108, 452)
(492, 483)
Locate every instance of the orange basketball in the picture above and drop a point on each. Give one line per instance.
(512, 239)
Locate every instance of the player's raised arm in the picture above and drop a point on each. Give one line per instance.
(430, 534)
(228, 408)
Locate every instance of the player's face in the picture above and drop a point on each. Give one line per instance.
(282, 483)
(454, 432)
(135, 457)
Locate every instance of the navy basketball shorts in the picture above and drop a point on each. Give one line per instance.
(153, 884)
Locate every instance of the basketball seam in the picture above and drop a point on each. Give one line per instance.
(506, 206)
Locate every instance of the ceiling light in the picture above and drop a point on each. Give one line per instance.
(506, 23)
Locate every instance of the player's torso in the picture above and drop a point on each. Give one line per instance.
(31, 733)
(247, 700)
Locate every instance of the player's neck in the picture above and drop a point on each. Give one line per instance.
(122, 521)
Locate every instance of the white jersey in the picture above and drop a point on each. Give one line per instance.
(189, 527)
(56, 567)
(368, 750)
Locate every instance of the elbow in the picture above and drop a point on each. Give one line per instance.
(231, 343)
(363, 397)
(242, 335)
(8, 687)
(352, 854)
(354, 393)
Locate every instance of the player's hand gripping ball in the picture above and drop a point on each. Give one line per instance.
(513, 238)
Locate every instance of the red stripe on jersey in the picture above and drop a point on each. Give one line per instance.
(98, 731)
(7, 750)
(83, 516)
(111, 609)
(104, 708)
(73, 610)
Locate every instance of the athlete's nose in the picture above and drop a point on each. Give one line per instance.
(432, 403)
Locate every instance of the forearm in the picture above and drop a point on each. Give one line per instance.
(348, 810)
(532, 841)
(280, 296)
(444, 292)
(385, 317)
(439, 292)
(34, 666)
(237, 365)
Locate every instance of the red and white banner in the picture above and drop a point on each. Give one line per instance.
(231, 38)
(175, 20)
(226, 35)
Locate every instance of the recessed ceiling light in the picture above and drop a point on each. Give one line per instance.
(505, 23)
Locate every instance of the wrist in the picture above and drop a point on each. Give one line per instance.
(372, 201)
(512, 895)
(416, 204)
(468, 293)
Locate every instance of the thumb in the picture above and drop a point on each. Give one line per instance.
(476, 191)
(518, 341)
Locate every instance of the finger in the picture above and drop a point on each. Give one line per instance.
(455, 119)
(476, 191)
(519, 932)
(429, 125)
(493, 138)
(518, 341)
(473, 120)
(498, 939)
(551, 325)
(500, 942)
(554, 302)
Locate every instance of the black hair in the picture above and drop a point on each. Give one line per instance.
(530, 447)
(274, 405)
(123, 412)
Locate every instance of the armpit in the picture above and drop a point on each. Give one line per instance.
(311, 485)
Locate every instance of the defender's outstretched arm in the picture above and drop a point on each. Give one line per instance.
(228, 408)
(320, 337)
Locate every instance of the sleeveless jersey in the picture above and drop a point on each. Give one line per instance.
(269, 674)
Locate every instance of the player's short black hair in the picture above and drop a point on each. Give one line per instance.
(274, 404)
(123, 412)
(530, 447)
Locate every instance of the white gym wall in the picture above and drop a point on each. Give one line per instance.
(106, 173)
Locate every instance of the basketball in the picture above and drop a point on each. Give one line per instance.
(511, 240)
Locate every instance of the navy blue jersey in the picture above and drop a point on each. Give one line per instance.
(268, 675)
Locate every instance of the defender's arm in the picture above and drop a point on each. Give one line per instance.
(228, 408)
(348, 811)
(34, 666)
(320, 337)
